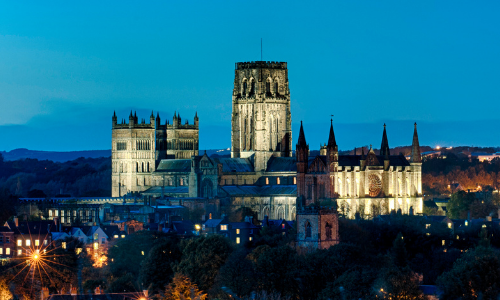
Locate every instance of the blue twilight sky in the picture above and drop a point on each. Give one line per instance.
(66, 65)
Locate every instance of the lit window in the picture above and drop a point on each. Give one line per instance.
(63, 245)
(237, 231)
(19, 252)
(282, 226)
(142, 252)
(78, 251)
(57, 213)
(237, 240)
(466, 223)
(427, 226)
(37, 242)
(181, 181)
(62, 219)
(443, 242)
(50, 213)
(115, 236)
(28, 242)
(427, 234)
(44, 250)
(96, 236)
(96, 245)
(250, 238)
(267, 180)
(484, 226)
(449, 225)
(7, 251)
(88, 250)
(45, 242)
(278, 180)
(223, 227)
(1, 251)
(294, 180)
(20, 243)
(123, 236)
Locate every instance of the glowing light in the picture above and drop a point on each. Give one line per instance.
(198, 227)
(437, 147)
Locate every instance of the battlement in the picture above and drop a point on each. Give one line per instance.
(261, 65)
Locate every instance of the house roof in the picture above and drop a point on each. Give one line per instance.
(282, 164)
(267, 190)
(241, 225)
(212, 222)
(167, 190)
(33, 227)
(234, 164)
(183, 227)
(174, 165)
(5, 229)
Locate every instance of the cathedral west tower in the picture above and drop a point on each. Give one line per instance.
(261, 119)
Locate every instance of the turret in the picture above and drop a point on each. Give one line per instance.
(384, 150)
(302, 151)
(179, 119)
(131, 120)
(196, 120)
(384, 147)
(114, 119)
(175, 121)
(158, 122)
(332, 150)
(415, 148)
(152, 119)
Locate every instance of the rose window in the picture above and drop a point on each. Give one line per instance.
(375, 185)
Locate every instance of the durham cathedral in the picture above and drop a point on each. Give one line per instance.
(162, 160)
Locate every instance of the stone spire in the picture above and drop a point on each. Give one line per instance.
(302, 137)
(331, 137)
(415, 148)
(384, 147)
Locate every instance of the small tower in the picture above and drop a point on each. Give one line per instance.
(152, 120)
(196, 120)
(158, 122)
(114, 119)
(131, 120)
(302, 155)
(384, 149)
(175, 121)
(317, 228)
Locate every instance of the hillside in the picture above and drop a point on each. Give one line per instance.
(55, 156)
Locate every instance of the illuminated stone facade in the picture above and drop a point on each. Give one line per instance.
(137, 149)
(261, 119)
(366, 184)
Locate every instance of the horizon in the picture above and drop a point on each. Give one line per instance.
(67, 67)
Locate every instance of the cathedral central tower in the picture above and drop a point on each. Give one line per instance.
(261, 119)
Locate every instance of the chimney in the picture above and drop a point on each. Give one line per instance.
(16, 221)
(73, 291)
(45, 293)
(97, 290)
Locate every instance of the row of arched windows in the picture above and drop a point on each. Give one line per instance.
(328, 230)
(245, 91)
(141, 167)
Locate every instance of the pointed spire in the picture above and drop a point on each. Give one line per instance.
(131, 115)
(157, 114)
(175, 115)
(384, 147)
(302, 136)
(135, 114)
(114, 114)
(415, 148)
(331, 137)
(196, 115)
(152, 114)
(362, 152)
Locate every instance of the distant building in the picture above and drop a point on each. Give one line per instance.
(317, 228)
(484, 156)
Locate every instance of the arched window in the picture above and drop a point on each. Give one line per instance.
(268, 88)
(148, 166)
(276, 88)
(244, 92)
(252, 87)
(328, 231)
(207, 188)
(308, 230)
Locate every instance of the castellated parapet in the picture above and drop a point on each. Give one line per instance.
(137, 148)
(261, 119)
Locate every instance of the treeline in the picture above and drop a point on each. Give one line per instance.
(375, 259)
(441, 176)
(83, 177)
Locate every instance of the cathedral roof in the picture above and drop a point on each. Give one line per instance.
(282, 164)
(174, 165)
(167, 190)
(234, 164)
(354, 160)
(267, 190)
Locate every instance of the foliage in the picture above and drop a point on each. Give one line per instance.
(7, 205)
(157, 268)
(202, 258)
(237, 273)
(80, 177)
(240, 214)
(5, 293)
(474, 276)
(459, 204)
(181, 288)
